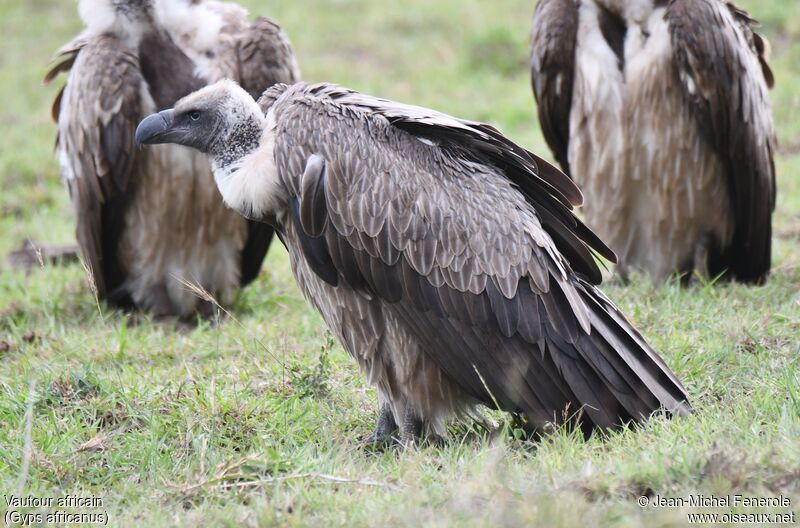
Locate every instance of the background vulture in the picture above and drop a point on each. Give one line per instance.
(147, 220)
(659, 110)
(444, 257)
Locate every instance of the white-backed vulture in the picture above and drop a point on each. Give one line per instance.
(659, 110)
(149, 220)
(444, 257)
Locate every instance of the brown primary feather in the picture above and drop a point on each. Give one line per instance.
(265, 57)
(758, 43)
(256, 54)
(466, 316)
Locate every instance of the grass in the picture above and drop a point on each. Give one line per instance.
(256, 421)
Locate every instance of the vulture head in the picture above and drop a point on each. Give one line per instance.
(223, 121)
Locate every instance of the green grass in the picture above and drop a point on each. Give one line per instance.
(244, 422)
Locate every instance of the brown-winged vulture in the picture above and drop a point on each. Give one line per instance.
(150, 220)
(444, 257)
(659, 110)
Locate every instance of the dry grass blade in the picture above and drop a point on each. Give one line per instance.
(31, 253)
(486, 387)
(235, 475)
(87, 268)
(205, 295)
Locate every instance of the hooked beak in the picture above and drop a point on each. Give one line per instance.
(156, 128)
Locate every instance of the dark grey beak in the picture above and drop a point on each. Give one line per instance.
(156, 128)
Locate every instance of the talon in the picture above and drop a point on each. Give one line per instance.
(383, 436)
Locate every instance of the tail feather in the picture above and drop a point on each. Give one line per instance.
(617, 377)
(592, 396)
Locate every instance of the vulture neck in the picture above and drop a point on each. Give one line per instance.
(632, 11)
(245, 170)
(129, 21)
(169, 73)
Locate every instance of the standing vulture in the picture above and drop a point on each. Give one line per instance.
(444, 257)
(149, 220)
(659, 110)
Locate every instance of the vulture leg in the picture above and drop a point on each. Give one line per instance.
(413, 429)
(701, 254)
(159, 302)
(384, 430)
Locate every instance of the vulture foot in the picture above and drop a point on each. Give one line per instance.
(158, 302)
(384, 434)
(208, 311)
(413, 429)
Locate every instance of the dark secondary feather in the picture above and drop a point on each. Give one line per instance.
(438, 217)
(731, 104)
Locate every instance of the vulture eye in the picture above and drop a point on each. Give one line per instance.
(194, 115)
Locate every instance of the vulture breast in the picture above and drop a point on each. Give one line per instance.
(638, 151)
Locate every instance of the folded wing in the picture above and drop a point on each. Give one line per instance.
(96, 146)
(726, 79)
